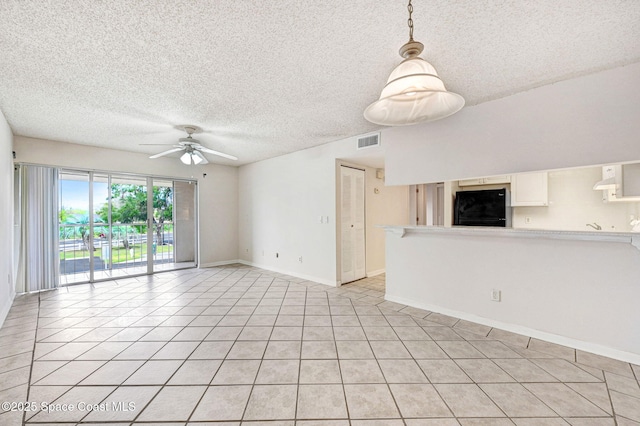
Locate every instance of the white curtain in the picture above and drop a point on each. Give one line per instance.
(39, 264)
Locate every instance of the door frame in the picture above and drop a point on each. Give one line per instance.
(426, 202)
(339, 164)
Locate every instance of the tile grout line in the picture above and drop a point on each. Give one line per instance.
(342, 384)
(613, 410)
(395, 402)
(195, 407)
(33, 355)
(244, 412)
(304, 313)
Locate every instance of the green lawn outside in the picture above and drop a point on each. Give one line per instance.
(119, 254)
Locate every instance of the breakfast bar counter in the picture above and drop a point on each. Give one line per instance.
(578, 289)
(476, 231)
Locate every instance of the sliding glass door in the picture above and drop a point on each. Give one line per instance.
(74, 236)
(101, 229)
(163, 247)
(114, 225)
(128, 244)
(185, 223)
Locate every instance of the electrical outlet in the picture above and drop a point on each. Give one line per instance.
(496, 295)
(247, 250)
(527, 219)
(300, 259)
(277, 255)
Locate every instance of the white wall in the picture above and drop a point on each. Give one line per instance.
(7, 287)
(573, 203)
(582, 294)
(579, 122)
(281, 200)
(388, 207)
(218, 192)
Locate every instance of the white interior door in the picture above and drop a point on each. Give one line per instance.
(352, 224)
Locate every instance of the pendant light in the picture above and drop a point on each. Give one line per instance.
(414, 92)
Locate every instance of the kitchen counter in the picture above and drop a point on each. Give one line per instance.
(470, 231)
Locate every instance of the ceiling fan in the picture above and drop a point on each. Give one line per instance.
(193, 151)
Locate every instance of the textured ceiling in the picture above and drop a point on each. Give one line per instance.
(264, 78)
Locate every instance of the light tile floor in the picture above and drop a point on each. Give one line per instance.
(240, 345)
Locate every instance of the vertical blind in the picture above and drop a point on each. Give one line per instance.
(38, 257)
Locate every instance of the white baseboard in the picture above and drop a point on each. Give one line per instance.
(526, 331)
(376, 272)
(293, 274)
(220, 263)
(6, 306)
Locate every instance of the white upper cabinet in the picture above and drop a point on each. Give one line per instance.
(529, 189)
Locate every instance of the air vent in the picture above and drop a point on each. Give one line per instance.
(369, 141)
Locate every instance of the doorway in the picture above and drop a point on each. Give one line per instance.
(352, 224)
(427, 204)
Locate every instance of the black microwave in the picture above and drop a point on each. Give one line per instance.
(491, 207)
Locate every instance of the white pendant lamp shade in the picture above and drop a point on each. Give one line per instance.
(197, 157)
(414, 93)
(186, 158)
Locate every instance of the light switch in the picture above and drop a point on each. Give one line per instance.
(320, 219)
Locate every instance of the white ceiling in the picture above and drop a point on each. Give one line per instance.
(265, 78)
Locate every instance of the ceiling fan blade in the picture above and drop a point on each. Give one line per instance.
(156, 144)
(162, 154)
(220, 154)
(198, 154)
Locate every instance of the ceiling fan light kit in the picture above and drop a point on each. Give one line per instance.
(414, 93)
(188, 158)
(193, 151)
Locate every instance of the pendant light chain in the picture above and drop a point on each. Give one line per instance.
(410, 21)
